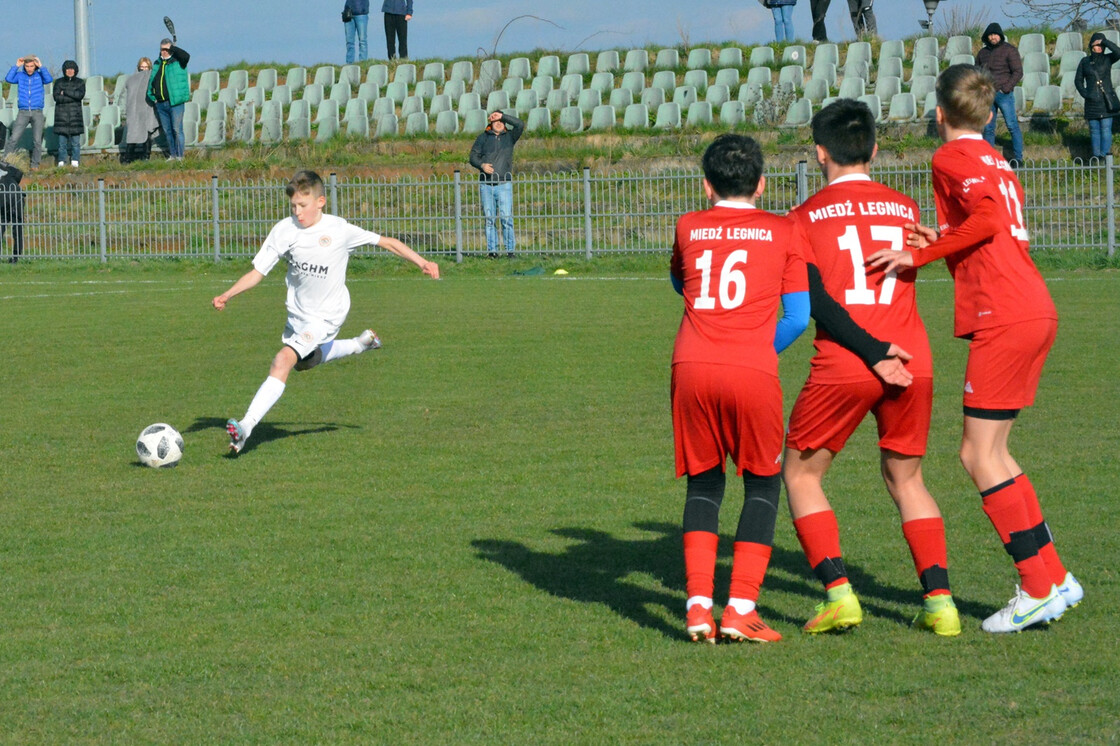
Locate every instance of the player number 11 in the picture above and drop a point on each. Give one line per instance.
(861, 294)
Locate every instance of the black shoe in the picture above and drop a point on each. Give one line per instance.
(492, 255)
(510, 255)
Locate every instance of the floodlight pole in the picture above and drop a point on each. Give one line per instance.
(81, 36)
(931, 8)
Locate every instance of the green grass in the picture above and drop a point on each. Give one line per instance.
(472, 535)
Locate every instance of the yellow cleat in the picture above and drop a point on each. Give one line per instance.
(939, 615)
(840, 612)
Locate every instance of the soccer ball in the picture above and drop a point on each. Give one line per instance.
(160, 446)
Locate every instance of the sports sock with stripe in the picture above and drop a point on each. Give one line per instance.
(1005, 508)
(819, 534)
(926, 539)
(1043, 537)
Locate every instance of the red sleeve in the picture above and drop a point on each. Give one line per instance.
(795, 278)
(985, 221)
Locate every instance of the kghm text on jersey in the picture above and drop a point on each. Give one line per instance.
(311, 269)
(851, 209)
(732, 233)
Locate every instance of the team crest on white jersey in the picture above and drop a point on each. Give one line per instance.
(324, 241)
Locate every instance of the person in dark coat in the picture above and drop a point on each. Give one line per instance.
(69, 125)
(1094, 83)
(1002, 61)
(12, 169)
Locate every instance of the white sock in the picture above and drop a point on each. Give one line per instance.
(268, 394)
(704, 602)
(340, 348)
(741, 605)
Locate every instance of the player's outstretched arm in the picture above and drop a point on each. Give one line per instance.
(250, 279)
(431, 269)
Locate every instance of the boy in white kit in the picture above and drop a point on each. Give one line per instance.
(318, 248)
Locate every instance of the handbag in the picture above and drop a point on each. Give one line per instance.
(1111, 100)
(347, 16)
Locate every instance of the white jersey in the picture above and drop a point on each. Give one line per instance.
(317, 259)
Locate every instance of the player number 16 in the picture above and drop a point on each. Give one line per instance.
(732, 281)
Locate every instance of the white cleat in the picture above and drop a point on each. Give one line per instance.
(1071, 591)
(369, 340)
(237, 436)
(1023, 611)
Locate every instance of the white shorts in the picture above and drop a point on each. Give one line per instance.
(305, 336)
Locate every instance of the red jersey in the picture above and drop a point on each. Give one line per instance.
(848, 220)
(996, 283)
(735, 263)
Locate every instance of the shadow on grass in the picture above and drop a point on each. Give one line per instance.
(598, 568)
(266, 432)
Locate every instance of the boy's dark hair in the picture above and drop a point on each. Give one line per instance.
(846, 129)
(305, 182)
(965, 94)
(733, 165)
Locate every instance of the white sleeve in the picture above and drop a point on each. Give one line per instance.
(272, 250)
(357, 237)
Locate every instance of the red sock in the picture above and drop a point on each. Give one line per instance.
(1047, 551)
(926, 538)
(700, 563)
(1006, 510)
(748, 569)
(819, 534)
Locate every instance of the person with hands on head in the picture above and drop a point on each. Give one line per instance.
(492, 155)
(169, 88)
(30, 78)
(854, 374)
(1093, 80)
(1004, 310)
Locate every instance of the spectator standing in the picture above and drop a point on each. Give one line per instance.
(819, 9)
(1094, 82)
(357, 48)
(783, 18)
(397, 15)
(69, 124)
(12, 169)
(169, 89)
(140, 116)
(1001, 59)
(492, 155)
(863, 18)
(30, 79)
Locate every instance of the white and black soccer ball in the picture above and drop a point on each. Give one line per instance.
(160, 446)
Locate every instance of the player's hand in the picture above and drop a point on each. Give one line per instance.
(892, 368)
(219, 302)
(487, 168)
(889, 259)
(920, 236)
(431, 269)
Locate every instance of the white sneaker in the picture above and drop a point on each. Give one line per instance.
(74, 164)
(1071, 591)
(369, 340)
(61, 164)
(1022, 611)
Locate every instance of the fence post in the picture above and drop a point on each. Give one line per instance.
(214, 212)
(1110, 201)
(334, 193)
(802, 181)
(587, 210)
(101, 219)
(458, 218)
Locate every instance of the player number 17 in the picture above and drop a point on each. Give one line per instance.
(861, 294)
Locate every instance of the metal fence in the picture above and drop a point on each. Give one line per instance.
(1069, 206)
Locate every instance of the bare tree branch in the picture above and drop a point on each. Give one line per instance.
(494, 47)
(1063, 12)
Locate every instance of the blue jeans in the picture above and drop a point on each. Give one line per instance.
(1005, 104)
(1100, 134)
(69, 149)
(783, 22)
(497, 202)
(171, 122)
(356, 28)
(27, 117)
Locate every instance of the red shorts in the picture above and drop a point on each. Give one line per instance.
(721, 410)
(826, 414)
(1005, 364)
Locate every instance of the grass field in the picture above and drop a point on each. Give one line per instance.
(472, 535)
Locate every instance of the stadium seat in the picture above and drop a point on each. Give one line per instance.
(462, 70)
(792, 77)
(324, 76)
(405, 73)
(313, 94)
(578, 64)
(817, 90)
(699, 114)
(468, 102)
(117, 96)
(111, 114)
(283, 94)
(730, 57)
(255, 96)
(447, 123)
(483, 85)
(652, 97)
(634, 82)
(416, 124)
(381, 107)
(929, 106)
(540, 120)
(927, 46)
(607, 61)
(825, 71)
(602, 82)
(795, 54)
(454, 89)
(272, 128)
(378, 75)
(799, 113)
(699, 58)
(1068, 41)
(668, 116)
(511, 86)
(526, 101)
(1031, 43)
(925, 65)
(1032, 82)
(270, 110)
(921, 85)
(238, 80)
(698, 79)
(326, 110)
(666, 59)
(520, 67)
(557, 100)
(572, 85)
(228, 96)
(637, 60)
(190, 136)
(216, 110)
(95, 83)
(717, 95)
(327, 121)
(206, 79)
(589, 99)
(684, 96)
(749, 95)
(1069, 61)
(1068, 88)
(340, 92)
(386, 126)
(892, 48)
(356, 117)
(620, 98)
(666, 80)
(474, 121)
(858, 51)
(857, 69)
(397, 91)
(890, 66)
(826, 54)
(761, 56)
(435, 72)
(215, 134)
(1047, 101)
(571, 119)
(636, 117)
(497, 100)
(490, 71)
(727, 76)
(425, 89)
(191, 112)
(903, 108)
(958, 45)
(409, 106)
(962, 59)
(885, 87)
(440, 103)
(549, 65)
(602, 118)
(542, 84)
(851, 88)
(1036, 62)
(732, 113)
(875, 104)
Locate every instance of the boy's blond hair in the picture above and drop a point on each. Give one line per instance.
(305, 182)
(965, 94)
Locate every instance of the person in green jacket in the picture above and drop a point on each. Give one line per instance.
(169, 89)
